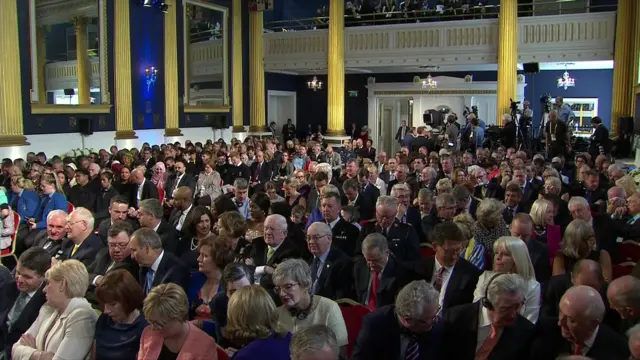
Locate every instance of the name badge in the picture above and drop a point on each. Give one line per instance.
(553, 137)
(395, 242)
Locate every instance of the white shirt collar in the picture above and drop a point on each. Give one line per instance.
(334, 222)
(155, 228)
(438, 266)
(156, 263)
(185, 212)
(588, 344)
(484, 317)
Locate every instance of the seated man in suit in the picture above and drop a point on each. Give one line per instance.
(627, 227)
(368, 189)
(236, 170)
(464, 201)
(522, 227)
(445, 211)
(605, 238)
(513, 202)
(178, 179)
(491, 328)
(81, 243)
(157, 266)
(182, 206)
(344, 234)
(623, 297)
(401, 238)
(408, 329)
(377, 275)
(354, 197)
(579, 330)
(26, 297)
(407, 214)
(118, 210)
(150, 216)
(261, 172)
(527, 189)
(454, 277)
(144, 189)
(51, 240)
(116, 256)
(329, 263)
(240, 198)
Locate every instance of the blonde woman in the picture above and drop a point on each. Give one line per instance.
(169, 334)
(53, 199)
(291, 194)
(252, 325)
(66, 324)
(443, 186)
(511, 256)
(490, 224)
(544, 228)
(474, 252)
(23, 198)
(628, 184)
(579, 243)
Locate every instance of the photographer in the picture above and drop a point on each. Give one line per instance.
(558, 137)
(508, 135)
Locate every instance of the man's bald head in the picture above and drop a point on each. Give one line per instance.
(616, 192)
(624, 296)
(588, 273)
(583, 302)
(183, 193)
(522, 226)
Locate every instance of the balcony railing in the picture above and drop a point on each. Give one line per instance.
(354, 18)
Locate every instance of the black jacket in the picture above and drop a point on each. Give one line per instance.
(8, 337)
(186, 180)
(462, 281)
(332, 282)
(170, 270)
(169, 237)
(394, 277)
(402, 239)
(86, 252)
(345, 236)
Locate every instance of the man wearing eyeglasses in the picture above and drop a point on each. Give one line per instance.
(116, 256)
(408, 329)
(81, 243)
(328, 264)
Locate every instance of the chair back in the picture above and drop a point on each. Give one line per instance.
(161, 194)
(353, 314)
(70, 208)
(426, 250)
(554, 239)
(222, 355)
(619, 270)
(629, 250)
(11, 251)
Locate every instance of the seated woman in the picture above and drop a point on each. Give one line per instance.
(511, 255)
(199, 222)
(232, 227)
(234, 277)
(208, 187)
(9, 228)
(253, 328)
(66, 324)
(169, 334)
(215, 254)
(258, 209)
(292, 280)
(120, 326)
(544, 227)
(53, 200)
(490, 224)
(474, 252)
(579, 243)
(23, 198)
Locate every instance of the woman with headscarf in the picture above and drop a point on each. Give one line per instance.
(159, 176)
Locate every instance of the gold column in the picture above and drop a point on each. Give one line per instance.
(623, 58)
(237, 107)
(172, 99)
(256, 73)
(42, 63)
(82, 61)
(122, 71)
(11, 126)
(507, 56)
(335, 81)
(636, 63)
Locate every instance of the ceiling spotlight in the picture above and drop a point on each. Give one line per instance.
(147, 3)
(163, 7)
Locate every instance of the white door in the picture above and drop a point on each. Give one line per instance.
(282, 106)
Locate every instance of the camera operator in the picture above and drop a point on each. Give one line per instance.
(508, 134)
(558, 137)
(451, 131)
(599, 142)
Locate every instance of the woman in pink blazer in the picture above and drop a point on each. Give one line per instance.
(169, 334)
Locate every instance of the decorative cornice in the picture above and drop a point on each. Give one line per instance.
(70, 109)
(51, 12)
(436, 92)
(200, 109)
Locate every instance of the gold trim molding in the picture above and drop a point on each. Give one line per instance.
(201, 109)
(436, 92)
(50, 109)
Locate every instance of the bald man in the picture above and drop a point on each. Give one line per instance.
(627, 227)
(624, 297)
(182, 207)
(579, 330)
(143, 189)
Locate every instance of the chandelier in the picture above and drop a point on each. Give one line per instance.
(429, 83)
(314, 84)
(566, 81)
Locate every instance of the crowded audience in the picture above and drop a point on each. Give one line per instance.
(261, 249)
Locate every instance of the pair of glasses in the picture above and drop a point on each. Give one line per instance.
(287, 288)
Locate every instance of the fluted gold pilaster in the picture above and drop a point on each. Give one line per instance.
(82, 61)
(172, 100)
(636, 62)
(237, 106)
(42, 63)
(623, 59)
(335, 81)
(11, 126)
(122, 71)
(256, 73)
(507, 56)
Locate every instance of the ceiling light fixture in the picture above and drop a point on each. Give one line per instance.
(314, 84)
(566, 81)
(429, 82)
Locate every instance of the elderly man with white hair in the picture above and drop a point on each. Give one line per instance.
(267, 252)
(491, 328)
(615, 172)
(602, 225)
(406, 213)
(315, 342)
(579, 330)
(408, 329)
(402, 239)
(81, 243)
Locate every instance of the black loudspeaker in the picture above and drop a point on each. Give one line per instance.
(427, 119)
(69, 92)
(219, 122)
(625, 125)
(531, 68)
(85, 126)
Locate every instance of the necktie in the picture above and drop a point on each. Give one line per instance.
(384, 232)
(149, 281)
(439, 278)
(315, 264)
(413, 349)
(75, 248)
(270, 253)
(488, 345)
(511, 213)
(587, 195)
(20, 304)
(577, 349)
(373, 292)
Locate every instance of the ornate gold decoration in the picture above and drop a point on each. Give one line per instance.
(507, 56)
(257, 108)
(435, 92)
(70, 109)
(104, 53)
(236, 67)
(335, 81)
(206, 109)
(625, 61)
(172, 99)
(122, 71)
